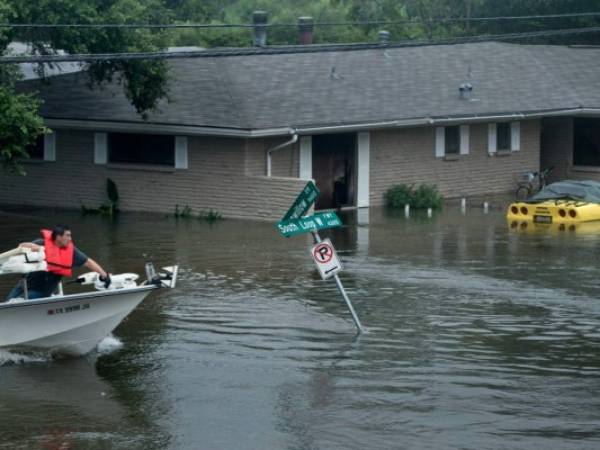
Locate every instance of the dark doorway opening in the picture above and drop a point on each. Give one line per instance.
(586, 142)
(334, 169)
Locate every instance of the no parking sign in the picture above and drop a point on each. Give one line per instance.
(325, 259)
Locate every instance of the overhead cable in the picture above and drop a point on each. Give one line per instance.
(285, 49)
(275, 25)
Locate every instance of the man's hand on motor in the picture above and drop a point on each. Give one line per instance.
(106, 280)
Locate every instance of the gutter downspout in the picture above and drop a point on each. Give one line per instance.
(293, 140)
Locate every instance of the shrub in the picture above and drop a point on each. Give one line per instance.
(182, 213)
(424, 196)
(107, 209)
(210, 216)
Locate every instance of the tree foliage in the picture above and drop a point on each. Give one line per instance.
(20, 125)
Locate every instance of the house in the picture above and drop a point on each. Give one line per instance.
(242, 134)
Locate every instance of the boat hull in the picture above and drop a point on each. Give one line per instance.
(70, 324)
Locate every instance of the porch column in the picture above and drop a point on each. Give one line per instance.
(364, 148)
(306, 158)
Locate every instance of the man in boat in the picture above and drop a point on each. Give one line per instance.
(61, 257)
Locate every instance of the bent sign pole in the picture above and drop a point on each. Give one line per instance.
(340, 287)
(294, 222)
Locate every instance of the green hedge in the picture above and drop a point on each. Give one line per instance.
(423, 196)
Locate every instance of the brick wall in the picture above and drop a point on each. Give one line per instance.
(216, 179)
(284, 162)
(408, 156)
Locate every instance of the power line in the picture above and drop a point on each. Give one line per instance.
(289, 49)
(276, 25)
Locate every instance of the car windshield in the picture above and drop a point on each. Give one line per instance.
(587, 191)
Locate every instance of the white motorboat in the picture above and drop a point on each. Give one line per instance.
(71, 324)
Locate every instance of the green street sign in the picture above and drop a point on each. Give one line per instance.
(319, 221)
(307, 197)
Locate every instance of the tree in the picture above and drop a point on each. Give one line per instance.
(144, 82)
(20, 123)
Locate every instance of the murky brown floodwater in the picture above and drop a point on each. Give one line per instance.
(480, 337)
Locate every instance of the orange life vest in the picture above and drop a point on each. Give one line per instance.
(59, 259)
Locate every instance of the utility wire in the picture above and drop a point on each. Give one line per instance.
(289, 49)
(275, 25)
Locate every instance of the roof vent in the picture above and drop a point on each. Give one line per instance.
(333, 75)
(384, 37)
(259, 20)
(465, 90)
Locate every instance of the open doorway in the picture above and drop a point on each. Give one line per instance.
(334, 169)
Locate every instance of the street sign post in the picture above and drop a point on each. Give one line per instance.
(319, 221)
(303, 202)
(325, 259)
(322, 252)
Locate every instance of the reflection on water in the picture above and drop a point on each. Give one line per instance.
(480, 336)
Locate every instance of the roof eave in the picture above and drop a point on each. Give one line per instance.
(190, 130)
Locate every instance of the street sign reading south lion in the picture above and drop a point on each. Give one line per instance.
(319, 221)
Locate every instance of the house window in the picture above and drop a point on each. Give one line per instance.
(586, 142)
(452, 140)
(36, 150)
(141, 149)
(503, 136)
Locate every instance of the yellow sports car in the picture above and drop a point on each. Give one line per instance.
(566, 202)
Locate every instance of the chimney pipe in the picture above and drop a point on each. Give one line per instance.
(259, 20)
(384, 37)
(306, 25)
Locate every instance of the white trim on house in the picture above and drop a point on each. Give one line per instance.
(363, 150)
(100, 148)
(515, 136)
(440, 142)
(305, 170)
(191, 130)
(492, 139)
(153, 128)
(464, 139)
(50, 147)
(181, 152)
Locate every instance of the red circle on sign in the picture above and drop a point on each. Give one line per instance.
(323, 253)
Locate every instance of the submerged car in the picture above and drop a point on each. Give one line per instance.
(563, 202)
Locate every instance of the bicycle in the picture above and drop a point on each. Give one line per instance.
(531, 182)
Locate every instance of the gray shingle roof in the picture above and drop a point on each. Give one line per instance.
(347, 87)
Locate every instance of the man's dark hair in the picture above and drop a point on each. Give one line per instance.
(59, 230)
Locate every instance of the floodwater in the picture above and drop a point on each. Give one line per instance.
(479, 337)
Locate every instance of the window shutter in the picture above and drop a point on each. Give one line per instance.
(464, 139)
(440, 143)
(100, 150)
(50, 147)
(306, 157)
(515, 136)
(492, 138)
(181, 152)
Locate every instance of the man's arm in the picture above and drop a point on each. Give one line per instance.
(31, 245)
(93, 265)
